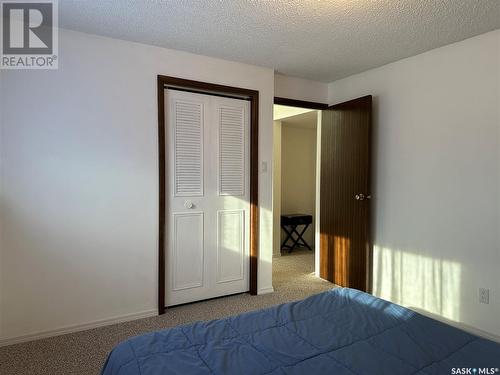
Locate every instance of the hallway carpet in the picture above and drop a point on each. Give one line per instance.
(85, 352)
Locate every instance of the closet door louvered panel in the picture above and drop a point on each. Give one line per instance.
(188, 148)
(231, 151)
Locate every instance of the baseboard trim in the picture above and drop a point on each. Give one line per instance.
(478, 332)
(463, 326)
(150, 313)
(77, 328)
(265, 290)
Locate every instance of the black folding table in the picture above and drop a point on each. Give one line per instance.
(290, 223)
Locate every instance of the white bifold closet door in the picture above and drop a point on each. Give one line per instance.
(207, 196)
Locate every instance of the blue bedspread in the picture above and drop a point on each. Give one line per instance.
(342, 331)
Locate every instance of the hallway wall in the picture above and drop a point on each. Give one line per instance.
(298, 173)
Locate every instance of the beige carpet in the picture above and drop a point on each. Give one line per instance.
(85, 352)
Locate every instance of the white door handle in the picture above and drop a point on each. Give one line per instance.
(188, 204)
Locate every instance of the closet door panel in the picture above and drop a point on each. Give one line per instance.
(230, 245)
(207, 149)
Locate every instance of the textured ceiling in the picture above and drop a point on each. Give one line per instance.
(315, 39)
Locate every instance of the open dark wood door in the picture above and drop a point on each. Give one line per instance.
(345, 248)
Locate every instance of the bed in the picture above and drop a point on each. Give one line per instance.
(341, 331)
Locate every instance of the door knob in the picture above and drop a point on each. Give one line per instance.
(362, 197)
(188, 204)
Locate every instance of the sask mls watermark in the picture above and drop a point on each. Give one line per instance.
(29, 34)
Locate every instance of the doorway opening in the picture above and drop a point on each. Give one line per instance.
(295, 166)
(328, 164)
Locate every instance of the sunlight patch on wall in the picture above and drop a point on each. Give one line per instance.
(414, 280)
(284, 111)
(342, 246)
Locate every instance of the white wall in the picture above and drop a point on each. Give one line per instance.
(298, 173)
(300, 89)
(437, 178)
(276, 188)
(79, 203)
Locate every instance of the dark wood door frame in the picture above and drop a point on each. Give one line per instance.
(164, 82)
(299, 103)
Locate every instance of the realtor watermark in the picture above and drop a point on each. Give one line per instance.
(474, 370)
(29, 34)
